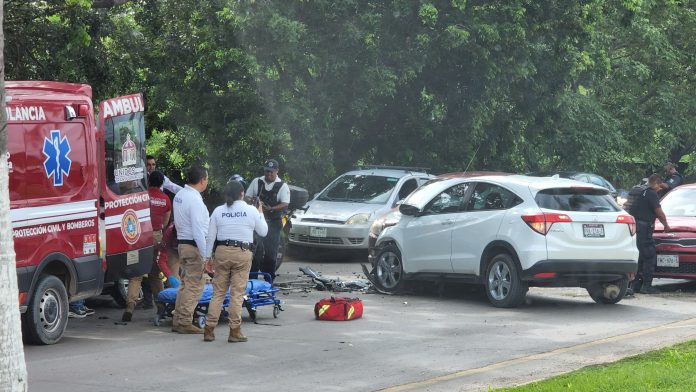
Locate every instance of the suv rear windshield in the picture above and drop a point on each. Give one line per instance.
(576, 199)
(360, 188)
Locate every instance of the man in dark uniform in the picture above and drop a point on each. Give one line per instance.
(672, 179)
(274, 196)
(645, 208)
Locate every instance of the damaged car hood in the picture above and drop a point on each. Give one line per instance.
(338, 211)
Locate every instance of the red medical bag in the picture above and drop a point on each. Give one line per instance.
(338, 309)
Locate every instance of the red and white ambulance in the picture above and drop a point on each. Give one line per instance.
(78, 198)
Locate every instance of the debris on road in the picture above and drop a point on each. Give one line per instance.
(312, 280)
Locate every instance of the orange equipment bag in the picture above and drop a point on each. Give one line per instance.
(338, 309)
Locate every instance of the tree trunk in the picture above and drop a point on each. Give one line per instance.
(13, 370)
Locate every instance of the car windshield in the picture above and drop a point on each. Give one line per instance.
(576, 199)
(360, 188)
(680, 202)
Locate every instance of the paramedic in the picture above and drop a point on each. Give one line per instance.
(273, 196)
(160, 211)
(231, 234)
(191, 223)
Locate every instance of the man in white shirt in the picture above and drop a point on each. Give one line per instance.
(191, 222)
(151, 166)
(274, 196)
(231, 234)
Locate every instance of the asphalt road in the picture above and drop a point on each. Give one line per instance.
(434, 340)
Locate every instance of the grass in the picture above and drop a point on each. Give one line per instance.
(669, 369)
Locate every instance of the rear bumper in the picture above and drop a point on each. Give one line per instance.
(579, 272)
(117, 266)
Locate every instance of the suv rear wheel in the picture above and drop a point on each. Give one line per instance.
(608, 293)
(504, 287)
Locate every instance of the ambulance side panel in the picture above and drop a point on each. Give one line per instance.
(54, 194)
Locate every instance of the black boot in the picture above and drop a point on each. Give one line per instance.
(636, 284)
(649, 289)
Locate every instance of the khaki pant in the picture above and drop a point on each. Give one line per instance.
(191, 287)
(134, 284)
(232, 265)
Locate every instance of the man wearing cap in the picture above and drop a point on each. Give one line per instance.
(274, 196)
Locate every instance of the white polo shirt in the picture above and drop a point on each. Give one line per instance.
(191, 217)
(283, 192)
(236, 222)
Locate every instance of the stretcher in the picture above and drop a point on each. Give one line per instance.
(259, 292)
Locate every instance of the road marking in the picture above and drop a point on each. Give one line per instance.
(516, 361)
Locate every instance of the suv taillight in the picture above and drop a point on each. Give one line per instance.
(630, 221)
(541, 223)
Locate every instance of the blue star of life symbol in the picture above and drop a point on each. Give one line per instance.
(57, 162)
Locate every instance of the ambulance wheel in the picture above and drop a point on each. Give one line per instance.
(276, 311)
(200, 321)
(47, 314)
(389, 269)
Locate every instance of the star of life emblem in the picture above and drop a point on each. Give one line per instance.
(57, 163)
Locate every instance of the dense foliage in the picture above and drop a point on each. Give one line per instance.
(512, 85)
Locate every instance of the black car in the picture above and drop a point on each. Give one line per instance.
(579, 176)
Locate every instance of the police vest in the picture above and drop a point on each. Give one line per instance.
(636, 192)
(270, 198)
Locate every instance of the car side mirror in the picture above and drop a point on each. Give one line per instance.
(409, 210)
(398, 202)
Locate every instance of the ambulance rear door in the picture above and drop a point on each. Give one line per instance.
(128, 239)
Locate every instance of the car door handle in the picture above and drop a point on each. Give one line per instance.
(448, 222)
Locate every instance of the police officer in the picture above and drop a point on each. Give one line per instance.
(231, 234)
(191, 221)
(672, 179)
(645, 208)
(273, 196)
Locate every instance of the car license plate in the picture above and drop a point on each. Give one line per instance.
(593, 230)
(132, 257)
(668, 261)
(317, 232)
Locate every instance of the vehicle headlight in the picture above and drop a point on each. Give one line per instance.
(358, 219)
(380, 224)
(376, 227)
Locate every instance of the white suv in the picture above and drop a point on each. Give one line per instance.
(509, 233)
